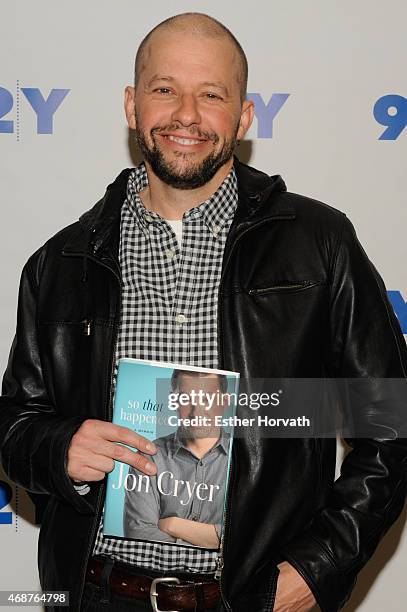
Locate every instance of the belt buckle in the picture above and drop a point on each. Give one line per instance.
(154, 594)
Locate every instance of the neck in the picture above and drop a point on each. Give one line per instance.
(171, 203)
(200, 446)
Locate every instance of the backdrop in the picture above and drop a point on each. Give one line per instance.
(329, 81)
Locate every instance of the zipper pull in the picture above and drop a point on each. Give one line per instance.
(219, 568)
(86, 327)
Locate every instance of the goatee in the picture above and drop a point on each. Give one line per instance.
(196, 175)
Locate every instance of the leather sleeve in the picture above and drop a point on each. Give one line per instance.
(34, 439)
(366, 342)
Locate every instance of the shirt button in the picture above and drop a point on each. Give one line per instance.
(215, 230)
(149, 218)
(180, 318)
(169, 253)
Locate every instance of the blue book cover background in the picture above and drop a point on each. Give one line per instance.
(142, 404)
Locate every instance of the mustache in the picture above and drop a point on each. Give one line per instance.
(194, 131)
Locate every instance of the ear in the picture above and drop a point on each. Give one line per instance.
(129, 109)
(246, 118)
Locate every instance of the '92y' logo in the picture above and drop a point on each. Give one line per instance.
(6, 518)
(391, 110)
(400, 308)
(266, 112)
(44, 107)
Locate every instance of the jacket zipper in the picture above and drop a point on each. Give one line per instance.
(220, 562)
(264, 290)
(108, 411)
(87, 326)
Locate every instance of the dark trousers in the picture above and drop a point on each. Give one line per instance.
(101, 598)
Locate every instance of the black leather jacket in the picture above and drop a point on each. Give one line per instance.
(324, 312)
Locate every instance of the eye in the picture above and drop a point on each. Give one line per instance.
(162, 90)
(211, 96)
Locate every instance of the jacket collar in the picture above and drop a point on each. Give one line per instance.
(258, 195)
(258, 200)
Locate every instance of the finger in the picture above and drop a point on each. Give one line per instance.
(121, 453)
(142, 464)
(99, 463)
(100, 446)
(79, 458)
(118, 433)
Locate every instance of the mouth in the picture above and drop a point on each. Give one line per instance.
(182, 141)
(185, 141)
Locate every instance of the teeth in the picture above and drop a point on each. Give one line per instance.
(184, 141)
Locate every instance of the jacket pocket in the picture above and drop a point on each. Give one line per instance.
(285, 287)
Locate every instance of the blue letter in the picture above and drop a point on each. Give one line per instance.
(44, 109)
(397, 122)
(6, 104)
(400, 308)
(265, 113)
(6, 518)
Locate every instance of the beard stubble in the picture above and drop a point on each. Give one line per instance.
(196, 174)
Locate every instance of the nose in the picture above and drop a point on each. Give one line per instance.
(187, 112)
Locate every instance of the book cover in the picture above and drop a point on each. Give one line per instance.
(188, 413)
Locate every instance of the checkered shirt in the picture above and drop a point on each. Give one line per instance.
(169, 313)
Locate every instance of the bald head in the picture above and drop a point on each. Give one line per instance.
(196, 24)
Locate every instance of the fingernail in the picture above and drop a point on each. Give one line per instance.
(150, 467)
(150, 447)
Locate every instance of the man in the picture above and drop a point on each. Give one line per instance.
(266, 283)
(184, 501)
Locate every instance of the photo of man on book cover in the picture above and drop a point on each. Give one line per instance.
(183, 503)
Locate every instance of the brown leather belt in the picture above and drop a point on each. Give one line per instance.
(182, 596)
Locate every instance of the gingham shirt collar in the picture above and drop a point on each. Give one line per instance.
(215, 211)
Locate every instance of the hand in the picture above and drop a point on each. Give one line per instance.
(293, 594)
(94, 448)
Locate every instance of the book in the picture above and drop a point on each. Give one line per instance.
(188, 412)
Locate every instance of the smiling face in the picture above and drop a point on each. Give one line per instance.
(186, 109)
